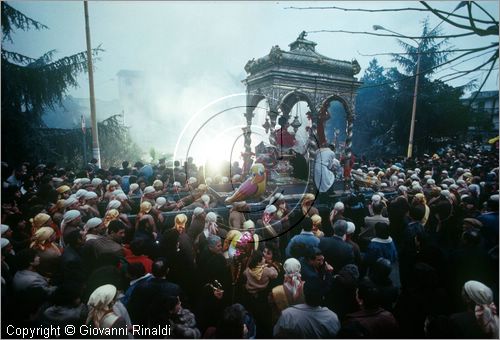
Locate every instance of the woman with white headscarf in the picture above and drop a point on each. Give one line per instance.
(101, 314)
(485, 310)
(292, 290)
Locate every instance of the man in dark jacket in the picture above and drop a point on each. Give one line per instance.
(72, 266)
(376, 322)
(337, 252)
(149, 290)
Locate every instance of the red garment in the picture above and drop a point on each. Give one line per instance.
(284, 138)
(146, 261)
(126, 250)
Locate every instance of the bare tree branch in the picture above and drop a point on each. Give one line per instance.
(484, 81)
(387, 10)
(492, 30)
(395, 35)
(485, 11)
(425, 52)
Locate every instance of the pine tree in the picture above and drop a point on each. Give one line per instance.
(29, 86)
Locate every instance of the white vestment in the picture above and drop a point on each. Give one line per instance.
(323, 165)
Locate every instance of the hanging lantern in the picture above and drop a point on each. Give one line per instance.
(296, 123)
(266, 125)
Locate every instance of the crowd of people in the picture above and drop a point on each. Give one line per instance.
(147, 245)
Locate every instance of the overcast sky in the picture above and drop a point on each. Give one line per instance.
(197, 50)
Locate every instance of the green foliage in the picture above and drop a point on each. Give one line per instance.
(29, 86)
(384, 103)
(115, 142)
(13, 19)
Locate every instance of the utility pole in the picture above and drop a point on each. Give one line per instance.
(414, 107)
(96, 152)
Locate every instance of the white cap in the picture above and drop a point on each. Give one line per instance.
(70, 201)
(197, 211)
(376, 198)
(211, 217)
(205, 198)
(160, 202)
(248, 224)
(71, 215)
(192, 180)
(121, 197)
(4, 228)
(84, 180)
(114, 204)
(90, 195)
(445, 193)
(80, 193)
(96, 181)
(351, 227)
(149, 190)
(338, 206)
(270, 209)
(4, 242)
(92, 223)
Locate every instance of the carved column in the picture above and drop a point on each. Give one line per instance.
(312, 147)
(247, 132)
(348, 144)
(273, 114)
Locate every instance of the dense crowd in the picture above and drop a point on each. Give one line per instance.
(148, 245)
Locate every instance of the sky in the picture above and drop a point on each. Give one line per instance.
(193, 53)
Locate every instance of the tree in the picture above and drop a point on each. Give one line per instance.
(440, 114)
(373, 130)
(29, 86)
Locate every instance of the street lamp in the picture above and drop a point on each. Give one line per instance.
(415, 91)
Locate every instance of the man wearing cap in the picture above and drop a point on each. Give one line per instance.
(197, 223)
(237, 215)
(299, 243)
(98, 244)
(88, 206)
(71, 221)
(309, 319)
(335, 249)
(71, 266)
